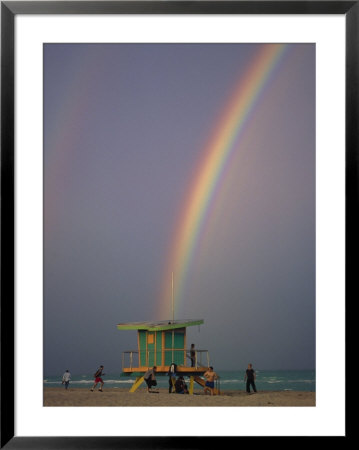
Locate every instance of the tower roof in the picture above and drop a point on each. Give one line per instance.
(159, 326)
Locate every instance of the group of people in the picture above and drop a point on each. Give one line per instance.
(66, 378)
(178, 385)
(174, 382)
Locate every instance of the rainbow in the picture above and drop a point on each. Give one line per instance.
(61, 136)
(211, 168)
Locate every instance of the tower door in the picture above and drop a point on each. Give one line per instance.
(151, 346)
(174, 347)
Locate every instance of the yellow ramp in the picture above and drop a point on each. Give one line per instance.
(137, 384)
(202, 383)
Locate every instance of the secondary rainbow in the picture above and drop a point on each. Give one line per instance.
(211, 167)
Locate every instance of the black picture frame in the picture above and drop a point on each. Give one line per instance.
(9, 9)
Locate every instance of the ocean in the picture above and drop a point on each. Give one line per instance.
(267, 380)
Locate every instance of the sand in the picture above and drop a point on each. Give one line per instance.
(121, 397)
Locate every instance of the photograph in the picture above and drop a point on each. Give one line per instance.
(179, 186)
(179, 224)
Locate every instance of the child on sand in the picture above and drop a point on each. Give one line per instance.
(180, 386)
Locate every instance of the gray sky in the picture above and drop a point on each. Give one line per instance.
(124, 127)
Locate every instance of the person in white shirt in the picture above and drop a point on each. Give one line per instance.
(66, 377)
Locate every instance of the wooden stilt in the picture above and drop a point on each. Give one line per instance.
(173, 381)
(191, 383)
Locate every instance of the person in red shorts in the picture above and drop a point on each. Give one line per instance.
(98, 379)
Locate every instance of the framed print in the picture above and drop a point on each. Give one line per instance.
(179, 186)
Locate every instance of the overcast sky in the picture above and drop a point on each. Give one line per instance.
(124, 127)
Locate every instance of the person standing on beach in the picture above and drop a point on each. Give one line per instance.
(171, 377)
(150, 378)
(250, 377)
(210, 375)
(66, 377)
(98, 379)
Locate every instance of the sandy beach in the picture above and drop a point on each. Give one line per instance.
(121, 397)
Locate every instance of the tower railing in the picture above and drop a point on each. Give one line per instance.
(133, 359)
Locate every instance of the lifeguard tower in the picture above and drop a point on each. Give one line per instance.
(160, 344)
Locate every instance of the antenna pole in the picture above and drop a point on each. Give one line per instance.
(173, 306)
(173, 319)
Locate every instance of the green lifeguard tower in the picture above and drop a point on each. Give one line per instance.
(160, 344)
